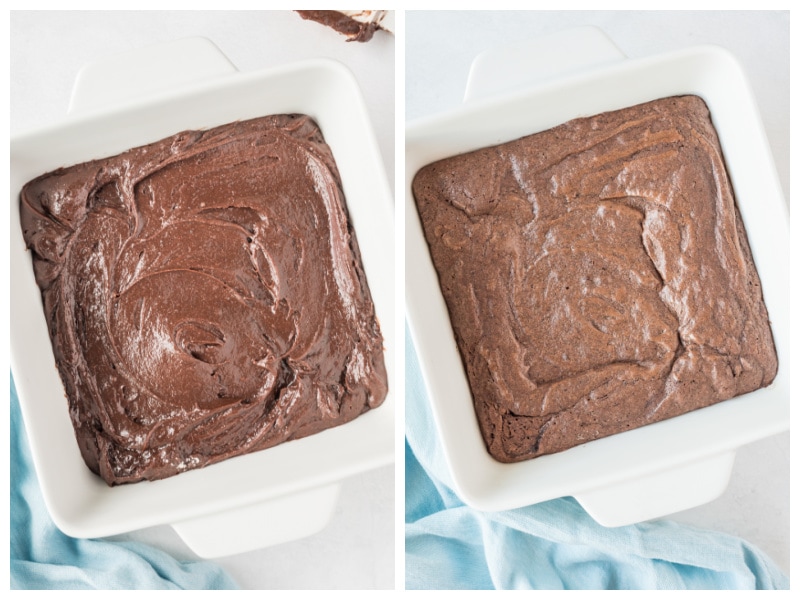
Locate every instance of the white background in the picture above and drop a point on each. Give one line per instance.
(357, 549)
(440, 47)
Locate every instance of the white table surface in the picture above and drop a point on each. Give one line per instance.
(357, 549)
(440, 47)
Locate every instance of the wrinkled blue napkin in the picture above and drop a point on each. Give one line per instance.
(44, 558)
(554, 544)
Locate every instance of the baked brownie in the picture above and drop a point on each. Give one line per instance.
(598, 277)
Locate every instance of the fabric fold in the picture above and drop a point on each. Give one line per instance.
(42, 557)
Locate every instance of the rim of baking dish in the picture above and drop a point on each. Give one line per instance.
(708, 71)
(80, 503)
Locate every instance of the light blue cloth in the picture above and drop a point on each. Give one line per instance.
(44, 558)
(554, 544)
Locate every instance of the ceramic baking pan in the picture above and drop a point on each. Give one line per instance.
(250, 501)
(661, 468)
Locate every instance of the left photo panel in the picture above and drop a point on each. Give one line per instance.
(202, 291)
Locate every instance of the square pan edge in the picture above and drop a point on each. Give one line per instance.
(483, 482)
(99, 510)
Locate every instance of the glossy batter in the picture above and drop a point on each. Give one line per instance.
(205, 297)
(598, 277)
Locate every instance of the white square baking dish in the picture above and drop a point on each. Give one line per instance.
(261, 498)
(655, 470)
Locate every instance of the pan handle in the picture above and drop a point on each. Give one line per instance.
(660, 493)
(261, 524)
(132, 76)
(537, 61)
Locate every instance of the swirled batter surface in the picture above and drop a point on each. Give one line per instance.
(205, 297)
(598, 277)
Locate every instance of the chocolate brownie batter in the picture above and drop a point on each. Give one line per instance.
(205, 297)
(598, 277)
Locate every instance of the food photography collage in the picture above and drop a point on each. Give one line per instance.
(413, 299)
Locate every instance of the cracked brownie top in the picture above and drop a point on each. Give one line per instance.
(597, 275)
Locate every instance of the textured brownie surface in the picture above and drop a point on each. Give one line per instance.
(204, 296)
(597, 275)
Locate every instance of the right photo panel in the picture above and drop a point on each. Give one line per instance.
(597, 300)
